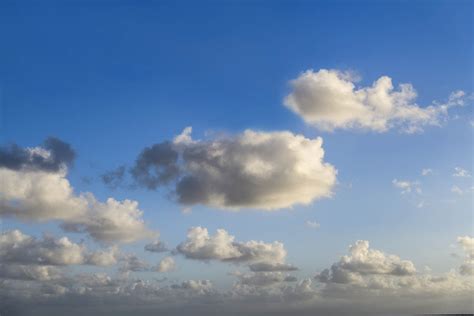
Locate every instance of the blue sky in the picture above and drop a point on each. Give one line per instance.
(114, 78)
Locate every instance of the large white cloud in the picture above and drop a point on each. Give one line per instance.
(265, 170)
(329, 99)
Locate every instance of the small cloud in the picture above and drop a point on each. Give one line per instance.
(312, 224)
(407, 186)
(461, 173)
(426, 172)
(456, 189)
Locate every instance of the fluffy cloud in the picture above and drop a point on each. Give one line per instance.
(222, 246)
(363, 261)
(329, 99)
(166, 264)
(461, 173)
(265, 170)
(22, 249)
(35, 188)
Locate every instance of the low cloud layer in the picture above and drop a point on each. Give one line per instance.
(330, 99)
(264, 170)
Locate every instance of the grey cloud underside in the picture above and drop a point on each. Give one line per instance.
(61, 154)
(265, 170)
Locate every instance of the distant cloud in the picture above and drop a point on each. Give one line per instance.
(457, 190)
(265, 170)
(329, 99)
(166, 264)
(364, 261)
(312, 224)
(222, 246)
(271, 267)
(426, 172)
(28, 258)
(461, 173)
(156, 246)
(407, 186)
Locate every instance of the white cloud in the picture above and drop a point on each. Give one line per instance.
(42, 196)
(166, 264)
(265, 170)
(223, 247)
(461, 173)
(19, 248)
(426, 172)
(329, 99)
(363, 261)
(407, 186)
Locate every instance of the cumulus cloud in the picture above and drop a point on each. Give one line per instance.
(166, 264)
(363, 261)
(329, 99)
(52, 156)
(265, 170)
(19, 248)
(114, 178)
(222, 246)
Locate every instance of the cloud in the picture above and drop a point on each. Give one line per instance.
(260, 279)
(363, 261)
(19, 248)
(199, 245)
(51, 157)
(461, 173)
(457, 190)
(156, 246)
(329, 99)
(114, 178)
(265, 170)
(166, 264)
(467, 243)
(426, 172)
(407, 186)
(271, 267)
(312, 224)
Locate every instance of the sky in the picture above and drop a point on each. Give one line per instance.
(283, 157)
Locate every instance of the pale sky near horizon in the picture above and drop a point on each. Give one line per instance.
(332, 140)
